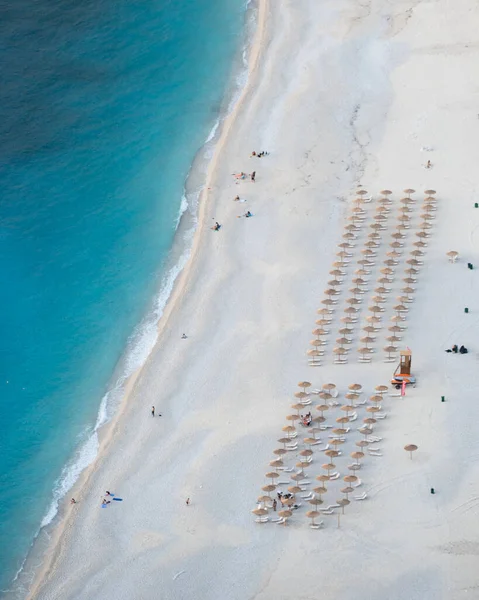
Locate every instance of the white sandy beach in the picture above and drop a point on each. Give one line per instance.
(341, 95)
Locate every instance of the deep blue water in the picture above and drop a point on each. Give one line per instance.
(103, 105)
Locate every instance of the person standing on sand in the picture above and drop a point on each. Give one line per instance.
(187, 502)
(275, 504)
(253, 176)
(152, 411)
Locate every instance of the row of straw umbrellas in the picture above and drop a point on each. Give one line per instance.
(413, 262)
(304, 452)
(360, 281)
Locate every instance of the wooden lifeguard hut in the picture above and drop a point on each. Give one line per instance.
(403, 370)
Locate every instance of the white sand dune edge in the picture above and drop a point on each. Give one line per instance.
(343, 94)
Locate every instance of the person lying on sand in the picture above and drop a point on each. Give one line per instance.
(239, 175)
(453, 349)
(216, 226)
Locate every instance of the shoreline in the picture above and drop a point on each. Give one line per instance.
(106, 430)
(248, 302)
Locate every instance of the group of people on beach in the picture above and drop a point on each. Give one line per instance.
(455, 350)
(306, 419)
(242, 176)
(106, 498)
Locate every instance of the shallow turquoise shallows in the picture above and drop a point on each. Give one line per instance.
(103, 106)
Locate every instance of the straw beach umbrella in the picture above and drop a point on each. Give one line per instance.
(347, 490)
(306, 453)
(367, 340)
(355, 387)
(269, 488)
(261, 512)
(357, 456)
(352, 397)
(365, 351)
(292, 417)
(452, 255)
(410, 448)
(390, 350)
(353, 301)
(304, 385)
(332, 454)
(362, 443)
(272, 475)
(312, 514)
(321, 489)
(322, 408)
(285, 514)
(323, 322)
(289, 429)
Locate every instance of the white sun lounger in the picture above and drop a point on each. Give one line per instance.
(357, 483)
(316, 525)
(281, 521)
(309, 496)
(326, 511)
(262, 520)
(374, 438)
(334, 476)
(380, 415)
(375, 453)
(363, 496)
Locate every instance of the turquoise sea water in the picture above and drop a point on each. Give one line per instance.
(103, 106)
